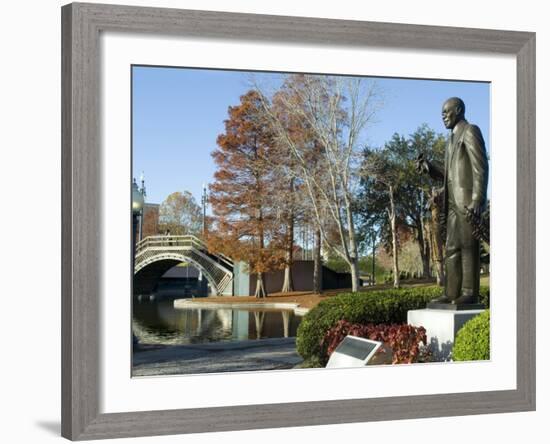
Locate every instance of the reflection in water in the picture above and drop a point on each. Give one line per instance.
(158, 322)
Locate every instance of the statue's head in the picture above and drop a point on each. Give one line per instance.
(453, 112)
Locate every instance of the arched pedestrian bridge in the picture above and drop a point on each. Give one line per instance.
(155, 255)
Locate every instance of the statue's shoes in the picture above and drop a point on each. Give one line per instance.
(466, 299)
(442, 300)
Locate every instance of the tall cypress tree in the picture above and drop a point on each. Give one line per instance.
(246, 228)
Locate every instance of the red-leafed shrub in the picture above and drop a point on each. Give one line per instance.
(408, 343)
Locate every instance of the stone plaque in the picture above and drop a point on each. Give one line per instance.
(353, 352)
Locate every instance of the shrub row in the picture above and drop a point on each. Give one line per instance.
(472, 342)
(370, 307)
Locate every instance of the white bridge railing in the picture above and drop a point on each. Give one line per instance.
(217, 268)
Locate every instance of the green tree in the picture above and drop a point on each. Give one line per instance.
(416, 194)
(384, 175)
(426, 142)
(180, 214)
(394, 197)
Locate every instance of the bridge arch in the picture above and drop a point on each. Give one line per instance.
(157, 254)
(159, 264)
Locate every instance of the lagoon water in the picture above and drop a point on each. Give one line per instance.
(158, 322)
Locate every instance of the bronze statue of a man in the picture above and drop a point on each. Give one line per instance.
(465, 176)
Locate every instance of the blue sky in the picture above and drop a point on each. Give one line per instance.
(179, 112)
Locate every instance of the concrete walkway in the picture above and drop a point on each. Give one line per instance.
(240, 356)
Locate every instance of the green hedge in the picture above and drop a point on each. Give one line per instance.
(377, 307)
(472, 341)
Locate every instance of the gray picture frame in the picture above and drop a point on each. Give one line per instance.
(81, 243)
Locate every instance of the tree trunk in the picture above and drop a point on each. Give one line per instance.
(423, 244)
(317, 265)
(288, 284)
(437, 245)
(354, 268)
(394, 254)
(393, 218)
(260, 286)
(260, 278)
(352, 252)
(423, 241)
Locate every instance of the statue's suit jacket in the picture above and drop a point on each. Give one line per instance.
(466, 171)
(465, 177)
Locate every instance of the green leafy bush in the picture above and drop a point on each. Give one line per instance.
(472, 342)
(370, 307)
(484, 296)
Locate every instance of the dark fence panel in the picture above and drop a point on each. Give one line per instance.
(302, 278)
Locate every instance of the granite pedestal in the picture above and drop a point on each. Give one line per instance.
(441, 326)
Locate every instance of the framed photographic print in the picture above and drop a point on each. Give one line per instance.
(243, 192)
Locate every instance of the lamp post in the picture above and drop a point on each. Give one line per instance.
(138, 200)
(204, 201)
(373, 257)
(144, 194)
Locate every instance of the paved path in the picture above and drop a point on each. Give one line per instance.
(263, 354)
